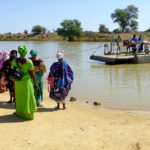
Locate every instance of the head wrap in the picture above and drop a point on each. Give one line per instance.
(3, 57)
(33, 52)
(22, 49)
(1, 54)
(60, 54)
(13, 51)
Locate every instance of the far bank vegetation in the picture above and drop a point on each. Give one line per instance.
(88, 36)
(71, 30)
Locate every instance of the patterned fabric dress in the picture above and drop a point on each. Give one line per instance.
(5, 73)
(63, 78)
(3, 56)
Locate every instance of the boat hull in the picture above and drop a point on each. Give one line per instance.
(115, 59)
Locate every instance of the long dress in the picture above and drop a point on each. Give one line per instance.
(39, 68)
(63, 78)
(3, 57)
(25, 99)
(5, 73)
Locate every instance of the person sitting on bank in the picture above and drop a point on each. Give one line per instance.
(118, 40)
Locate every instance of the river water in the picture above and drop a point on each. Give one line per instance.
(125, 86)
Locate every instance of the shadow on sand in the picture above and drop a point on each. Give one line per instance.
(11, 119)
(6, 105)
(43, 109)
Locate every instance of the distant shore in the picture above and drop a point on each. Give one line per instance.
(87, 37)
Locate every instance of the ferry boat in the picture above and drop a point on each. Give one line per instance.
(110, 57)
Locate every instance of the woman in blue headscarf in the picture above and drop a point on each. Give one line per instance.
(39, 69)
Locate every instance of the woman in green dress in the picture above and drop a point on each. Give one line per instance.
(39, 69)
(25, 99)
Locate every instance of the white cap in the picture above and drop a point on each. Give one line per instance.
(60, 54)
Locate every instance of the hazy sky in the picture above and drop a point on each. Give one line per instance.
(18, 15)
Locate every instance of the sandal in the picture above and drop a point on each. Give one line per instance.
(10, 101)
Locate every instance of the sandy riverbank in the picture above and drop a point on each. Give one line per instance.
(79, 127)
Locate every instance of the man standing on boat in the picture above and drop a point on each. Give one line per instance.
(141, 46)
(134, 42)
(118, 40)
(134, 39)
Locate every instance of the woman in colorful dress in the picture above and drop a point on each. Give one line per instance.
(25, 99)
(3, 57)
(63, 78)
(5, 71)
(40, 69)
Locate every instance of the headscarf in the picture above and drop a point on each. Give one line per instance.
(22, 49)
(33, 52)
(60, 54)
(1, 54)
(12, 51)
(3, 57)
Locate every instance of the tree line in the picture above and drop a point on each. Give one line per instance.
(70, 29)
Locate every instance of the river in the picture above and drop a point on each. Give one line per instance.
(125, 86)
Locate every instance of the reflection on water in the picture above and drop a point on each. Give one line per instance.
(117, 86)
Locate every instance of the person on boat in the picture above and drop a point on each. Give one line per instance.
(5, 71)
(118, 41)
(63, 78)
(25, 98)
(146, 48)
(3, 57)
(39, 69)
(134, 39)
(141, 46)
(134, 42)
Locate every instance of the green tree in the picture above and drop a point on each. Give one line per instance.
(126, 18)
(38, 29)
(44, 30)
(70, 29)
(133, 25)
(127, 30)
(117, 30)
(148, 30)
(25, 32)
(103, 28)
(132, 13)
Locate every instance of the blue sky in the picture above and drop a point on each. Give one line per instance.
(18, 15)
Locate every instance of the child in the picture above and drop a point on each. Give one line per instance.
(146, 48)
(50, 82)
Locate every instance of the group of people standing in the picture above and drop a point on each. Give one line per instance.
(27, 92)
(134, 42)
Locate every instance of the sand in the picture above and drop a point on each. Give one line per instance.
(79, 127)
